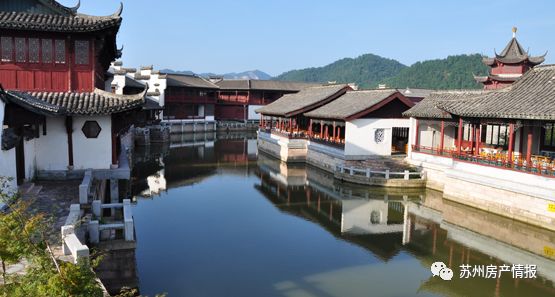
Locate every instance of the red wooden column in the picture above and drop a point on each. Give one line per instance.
(339, 134)
(416, 133)
(529, 149)
(333, 133)
(310, 128)
(472, 137)
(290, 125)
(442, 136)
(478, 138)
(511, 141)
(322, 129)
(459, 136)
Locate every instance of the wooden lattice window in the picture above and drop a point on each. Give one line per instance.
(47, 50)
(20, 52)
(549, 137)
(60, 51)
(81, 52)
(7, 48)
(34, 50)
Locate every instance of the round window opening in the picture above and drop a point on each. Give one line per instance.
(375, 217)
(91, 129)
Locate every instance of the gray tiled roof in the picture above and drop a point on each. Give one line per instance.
(56, 23)
(234, 84)
(97, 102)
(512, 54)
(187, 80)
(531, 97)
(265, 85)
(482, 79)
(304, 100)
(415, 92)
(276, 85)
(355, 102)
(427, 108)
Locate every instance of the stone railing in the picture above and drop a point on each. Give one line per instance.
(386, 174)
(71, 245)
(384, 178)
(85, 187)
(127, 224)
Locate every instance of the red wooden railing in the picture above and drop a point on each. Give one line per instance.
(539, 165)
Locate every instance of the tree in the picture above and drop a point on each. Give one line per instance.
(22, 236)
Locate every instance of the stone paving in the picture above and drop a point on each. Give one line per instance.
(391, 163)
(53, 198)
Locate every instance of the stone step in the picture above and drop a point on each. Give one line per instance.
(26, 187)
(35, 190)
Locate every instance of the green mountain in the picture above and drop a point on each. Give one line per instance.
(453, 72)
(366, 71)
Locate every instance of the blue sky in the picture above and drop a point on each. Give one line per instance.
(276, 36)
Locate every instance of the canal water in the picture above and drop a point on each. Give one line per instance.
(215, 218)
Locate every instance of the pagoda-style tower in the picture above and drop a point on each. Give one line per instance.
(508, 66)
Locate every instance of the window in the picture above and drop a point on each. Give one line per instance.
(34, 50)
(47, 50)
(379, 135)
(60, 51)
(7, 49)
(20, 54)
(91, 129)
(81, 52)
(549, 136)
(495, 135)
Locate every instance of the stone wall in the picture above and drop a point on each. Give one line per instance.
(516, 195)
(287, 150)
(322, 160)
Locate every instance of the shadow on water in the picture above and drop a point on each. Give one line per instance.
(216, 218)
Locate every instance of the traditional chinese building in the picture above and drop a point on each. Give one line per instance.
(358, 125)
(492, 149)
(189, 97)
(57, 119)
(239, 98)
(509, 66)
(283, 126)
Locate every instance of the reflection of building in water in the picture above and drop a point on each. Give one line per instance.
(156, 183)
(192, 158)
(386, 223)
(372, 216)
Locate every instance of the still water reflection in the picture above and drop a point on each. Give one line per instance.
(214, 218)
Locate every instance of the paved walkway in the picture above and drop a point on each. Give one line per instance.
(53, 199)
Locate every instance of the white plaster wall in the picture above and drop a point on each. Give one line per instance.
(95, 153)
(356, 217)
(252, 115)
(52, 152)
(7, 158)
(359, 138)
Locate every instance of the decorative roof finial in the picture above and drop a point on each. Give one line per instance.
(514, 32)
(76, 7)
